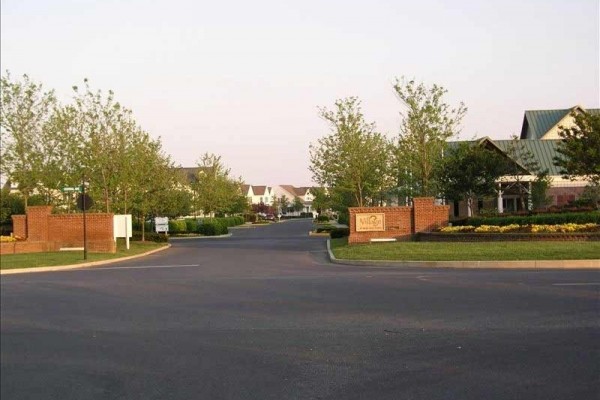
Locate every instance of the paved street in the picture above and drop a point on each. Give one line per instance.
(263, 315)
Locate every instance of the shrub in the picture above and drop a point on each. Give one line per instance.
(191, 225)
(322, 218)
(212, 227)
(150, 236)
(344, 218)
(177, 226)
(339, 233)
(6, 239)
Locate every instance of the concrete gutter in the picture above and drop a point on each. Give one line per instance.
(520, 264)
(82, 265)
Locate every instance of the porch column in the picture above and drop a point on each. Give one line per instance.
(500, 207)
(529, 199)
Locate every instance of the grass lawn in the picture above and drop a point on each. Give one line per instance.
(432, 251)
(30, 260)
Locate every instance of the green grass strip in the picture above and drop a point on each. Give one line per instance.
(32, 260)
(470, 251)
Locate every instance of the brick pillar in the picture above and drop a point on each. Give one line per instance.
(20, 226)
(37, 223)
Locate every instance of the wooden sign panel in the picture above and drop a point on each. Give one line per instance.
(370, 222)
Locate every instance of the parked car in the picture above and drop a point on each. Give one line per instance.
(270, 217)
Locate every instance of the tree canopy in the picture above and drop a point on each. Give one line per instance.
(427, 123)
(579, 148)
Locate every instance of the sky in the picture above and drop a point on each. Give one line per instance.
(245, 79)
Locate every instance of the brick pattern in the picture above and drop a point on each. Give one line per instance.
(398, 223)
(50, 232)
(37, 223)
(401, 222)
(20, 226)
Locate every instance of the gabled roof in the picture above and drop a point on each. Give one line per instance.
(259, 190)
(190, 174)
(543, 151)
(245, 189)
(295, 191)
(536, 123)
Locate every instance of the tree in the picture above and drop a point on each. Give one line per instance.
(524, 164)
(297, 205)
(217, 192)
(470, 171)
(353, 159)
(579, 148)
(321, 199)
(25, 108)
(427, 124)
(284, 203)
(105, 128)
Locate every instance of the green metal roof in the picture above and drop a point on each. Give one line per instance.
(543, 151)
(537, 122)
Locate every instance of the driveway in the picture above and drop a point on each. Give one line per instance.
(264, 315)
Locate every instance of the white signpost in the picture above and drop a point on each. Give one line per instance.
(161, 224)
(122, 227)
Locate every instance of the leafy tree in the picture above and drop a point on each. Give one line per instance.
(105, 127)
(579, 148)
(321, 200)
(353, 159)
(525, 164)
(297, 205)
(427, 124)
(470, 171)
(25, 108)
(284, 203)
(216, 190)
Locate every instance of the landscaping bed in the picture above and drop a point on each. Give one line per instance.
(494, 251)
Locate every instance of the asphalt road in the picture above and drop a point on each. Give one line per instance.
(263, 315)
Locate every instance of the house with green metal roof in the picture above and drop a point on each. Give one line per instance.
(539, 137)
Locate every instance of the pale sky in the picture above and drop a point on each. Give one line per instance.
(243, 79)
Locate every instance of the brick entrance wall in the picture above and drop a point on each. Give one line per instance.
(401, 222)
(44, 231)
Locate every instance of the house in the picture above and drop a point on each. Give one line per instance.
(291, 192)
(258, 194)
(539, 137)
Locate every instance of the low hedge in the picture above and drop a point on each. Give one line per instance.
(177, 226)
(149, 236)
(212, 227)
(339, 233)
(538, 219)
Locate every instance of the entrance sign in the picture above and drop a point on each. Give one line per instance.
(122, 227)
(161, 224)
(371, 222)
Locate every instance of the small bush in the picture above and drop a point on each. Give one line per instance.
(344, 219)
(191, 225)
(177, 226)
(212, 227)
(322, 218)
(339, 233)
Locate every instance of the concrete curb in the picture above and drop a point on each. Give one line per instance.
(526, 264)
(199, 237)
(82, 265)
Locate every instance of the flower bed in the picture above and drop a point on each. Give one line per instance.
(514, 228)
